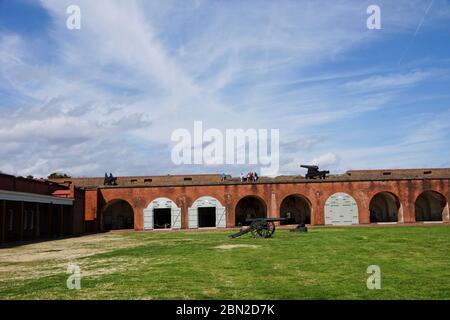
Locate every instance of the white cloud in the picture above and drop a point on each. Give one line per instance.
(137, 70)
(326, 160)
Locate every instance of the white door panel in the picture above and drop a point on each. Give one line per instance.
(341, 209)
(221, 217)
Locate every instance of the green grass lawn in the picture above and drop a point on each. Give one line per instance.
(325, 263)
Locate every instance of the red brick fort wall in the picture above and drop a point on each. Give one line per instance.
(317, 192)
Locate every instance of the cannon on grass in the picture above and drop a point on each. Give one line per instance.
(259, 228)
(265, 227)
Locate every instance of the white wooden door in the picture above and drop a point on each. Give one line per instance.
(193, 218)
(341, 209)
(148, 219)
(221, 217)
(176, 218)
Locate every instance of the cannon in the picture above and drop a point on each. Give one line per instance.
(314, 172)
(110, 181)
(259, 228)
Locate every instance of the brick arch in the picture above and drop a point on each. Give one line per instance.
(298, 215)
(361, 196)
(382, 201)
(308, 191)
(207, 197)
(341, 208)
(194, 196)
(419, 186)
(437, 210)
(297, 194)
(172, 218)
(251, 200)
(112, 216)
(188, 198)
(111, 202)
(148, 203)
(207, 201)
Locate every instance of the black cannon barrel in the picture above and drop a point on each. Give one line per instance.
(309, 166)
(266, 219)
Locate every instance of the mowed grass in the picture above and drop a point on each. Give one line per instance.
(325, 263)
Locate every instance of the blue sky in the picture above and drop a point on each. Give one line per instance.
(108, 96)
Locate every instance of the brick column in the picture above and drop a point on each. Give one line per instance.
(400, 215)
(3, 221)
(184, 217)
(406, 213)
(230, 214)
(316, 210)
(274, 213)
(446, 214)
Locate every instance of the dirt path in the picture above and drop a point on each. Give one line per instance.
(50, 257)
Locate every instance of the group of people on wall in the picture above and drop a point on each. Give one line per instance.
(250, 177)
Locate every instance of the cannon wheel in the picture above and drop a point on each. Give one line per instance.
(263, 229)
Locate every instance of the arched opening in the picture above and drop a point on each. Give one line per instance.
(162, 213)
(297, 209)
(384, 207)
(341, 209)
(118, 214)
(430, 206)
(207, 212)
(249, 207)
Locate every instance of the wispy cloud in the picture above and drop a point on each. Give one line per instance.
(390, 81)
(137, 70)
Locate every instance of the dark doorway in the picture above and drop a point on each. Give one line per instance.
(384, 207)
(56, 220)
(44, 209)
(249, 208)
(296, 209)
(430, 206)
(162, 218)
(206, 217)
(118, 214)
